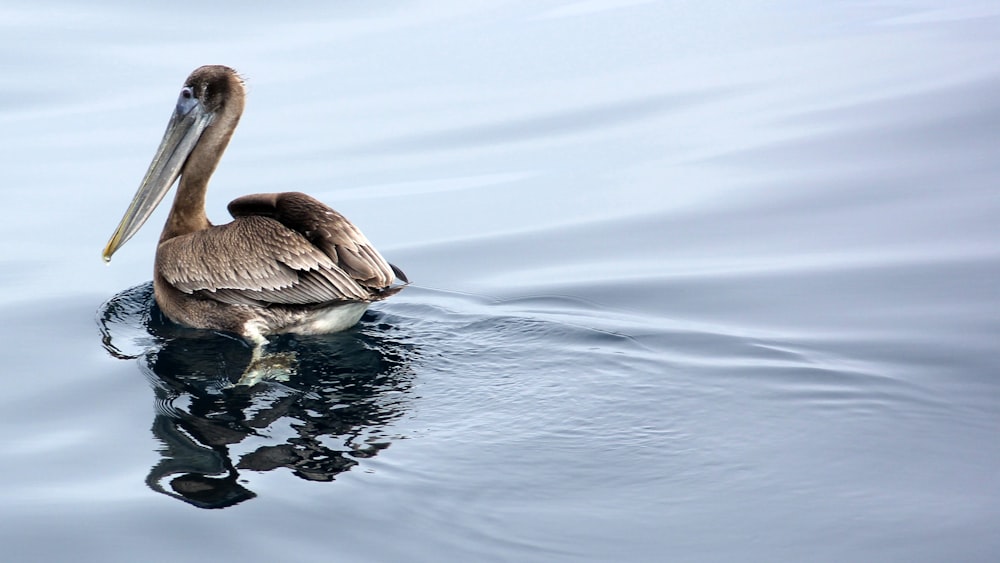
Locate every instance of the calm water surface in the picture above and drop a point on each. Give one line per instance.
(693, 282)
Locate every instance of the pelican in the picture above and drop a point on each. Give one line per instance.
(287, 263)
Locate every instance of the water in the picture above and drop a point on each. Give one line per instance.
(691, 283)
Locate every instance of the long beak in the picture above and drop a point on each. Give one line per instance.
(183, 131)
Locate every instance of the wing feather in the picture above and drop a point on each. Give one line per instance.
(285, 249)
(326, 229)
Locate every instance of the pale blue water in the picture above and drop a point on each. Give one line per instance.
(693, 282)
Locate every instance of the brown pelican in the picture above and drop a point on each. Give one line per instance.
(286, 263)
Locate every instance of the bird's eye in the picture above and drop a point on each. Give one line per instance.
(186, 101)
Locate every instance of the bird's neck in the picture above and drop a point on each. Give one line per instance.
(187, 214)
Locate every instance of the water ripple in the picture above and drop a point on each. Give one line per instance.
(554, 124)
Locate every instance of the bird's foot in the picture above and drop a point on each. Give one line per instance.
(269, 367)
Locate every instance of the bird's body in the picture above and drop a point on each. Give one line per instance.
(286, 263)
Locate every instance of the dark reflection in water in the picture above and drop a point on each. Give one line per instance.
(331, 412)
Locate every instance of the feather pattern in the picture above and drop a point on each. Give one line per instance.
(285, 248)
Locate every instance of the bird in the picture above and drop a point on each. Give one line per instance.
(287, 263)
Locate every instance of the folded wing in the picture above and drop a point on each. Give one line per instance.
(284, 248)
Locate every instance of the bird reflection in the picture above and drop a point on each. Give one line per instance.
(317, 423)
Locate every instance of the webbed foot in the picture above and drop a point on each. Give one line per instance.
(268, 367)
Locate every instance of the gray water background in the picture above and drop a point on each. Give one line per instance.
(693, 281)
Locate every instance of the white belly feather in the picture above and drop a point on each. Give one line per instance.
(333, 319)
